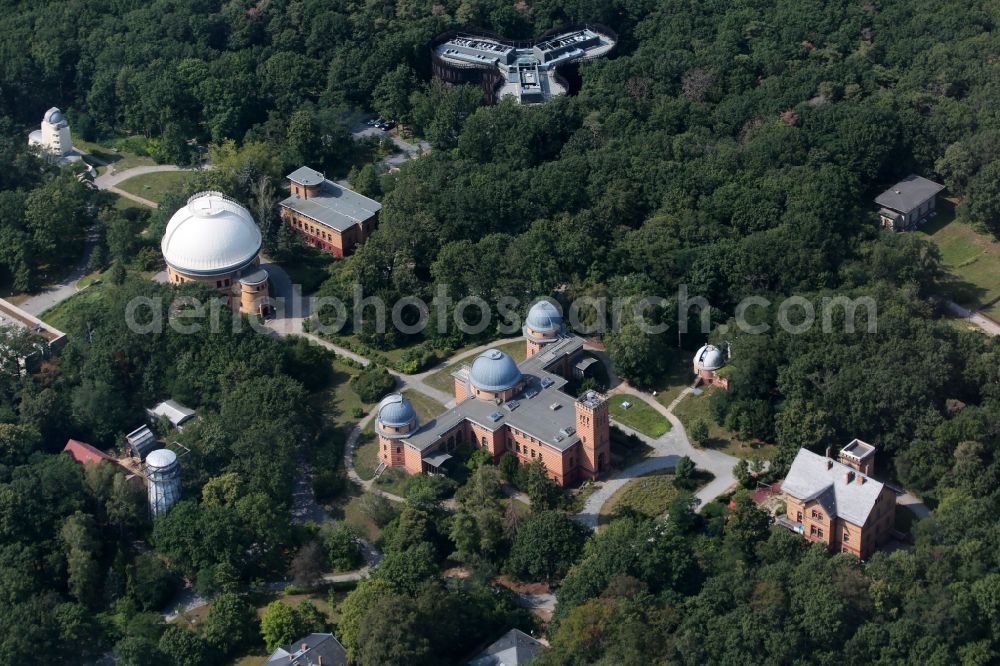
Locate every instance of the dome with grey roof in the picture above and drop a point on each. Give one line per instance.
(396, 411)
(54, 116)
(544, 317)
(494, 370)
(709, 357)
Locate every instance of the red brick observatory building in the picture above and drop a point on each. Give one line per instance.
(506, 407)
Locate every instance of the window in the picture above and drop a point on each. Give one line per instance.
(532, 453)
(819, 533)
(798, 517)
(218, 284)
(484, 441)
(812, 530)
(399, 449)
(847, 536)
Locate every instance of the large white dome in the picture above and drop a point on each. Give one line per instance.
(210, 235)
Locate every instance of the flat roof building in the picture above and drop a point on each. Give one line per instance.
(326, 215)
(528, 71)
(908, 203)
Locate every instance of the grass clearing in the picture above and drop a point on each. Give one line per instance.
(366, 454)
(640, 415)
(972, 258)
(120, 159)
(650, 495)
(59, 315)
(443, 381)
(156, 186)
(695, 407)
(677, 378)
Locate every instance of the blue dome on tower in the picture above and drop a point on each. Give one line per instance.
(396, 411)
(544, 317)
(494, 371)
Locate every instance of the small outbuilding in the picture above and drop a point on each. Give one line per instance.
(176, 413)
(85, 454)
(908, 203)
(140, 443)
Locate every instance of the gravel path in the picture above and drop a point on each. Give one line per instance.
(667, 449)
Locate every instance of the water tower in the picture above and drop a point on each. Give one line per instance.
(164, 475)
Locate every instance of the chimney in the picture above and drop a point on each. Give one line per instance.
(849, 476)
(829, 463)
(859, 479)
(304, 647)
(320, 660)
(828, 452)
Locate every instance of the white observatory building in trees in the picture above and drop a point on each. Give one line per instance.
(53, 137)
(163, 472)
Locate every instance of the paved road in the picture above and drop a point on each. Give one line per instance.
(982, 322)
(667, 449)
(56, 294)
(111, 177)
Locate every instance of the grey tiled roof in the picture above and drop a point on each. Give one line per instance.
(512, 649)
(335, 206)
(534, 413)
(816, 477)
(318, 647)
(908, 193)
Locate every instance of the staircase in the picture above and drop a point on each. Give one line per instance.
(379, 469)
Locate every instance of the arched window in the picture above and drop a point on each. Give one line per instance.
(484, 441)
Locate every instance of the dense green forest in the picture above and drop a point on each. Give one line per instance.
(733, 147)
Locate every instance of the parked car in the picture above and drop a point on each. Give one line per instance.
(388, 125)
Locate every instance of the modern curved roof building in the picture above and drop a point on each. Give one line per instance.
(213, 239)
(527, 71)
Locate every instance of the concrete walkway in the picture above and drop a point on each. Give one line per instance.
(666, 450)
(55, 294)
(112, 178)
(988, 325)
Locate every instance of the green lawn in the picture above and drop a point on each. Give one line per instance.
(366, 454)
(120, 159)
(425, 406)
(443, 381)
(59, 315)
(972, 258)
(341, 400)
(639, 416)
(677, 378)
(156, 186)
(695, 407)
(650, 495)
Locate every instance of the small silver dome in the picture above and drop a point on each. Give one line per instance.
(544, 317)
(709, 357)
(494, 371)
(54, 116)
(396, 411)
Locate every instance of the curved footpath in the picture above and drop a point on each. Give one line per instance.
(667, 449)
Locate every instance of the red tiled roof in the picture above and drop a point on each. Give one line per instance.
(84, 453)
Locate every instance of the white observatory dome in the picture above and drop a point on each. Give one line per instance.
(212, 234)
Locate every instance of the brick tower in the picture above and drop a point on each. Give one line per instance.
(595, 437)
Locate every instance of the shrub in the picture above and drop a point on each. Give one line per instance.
(373, 384)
